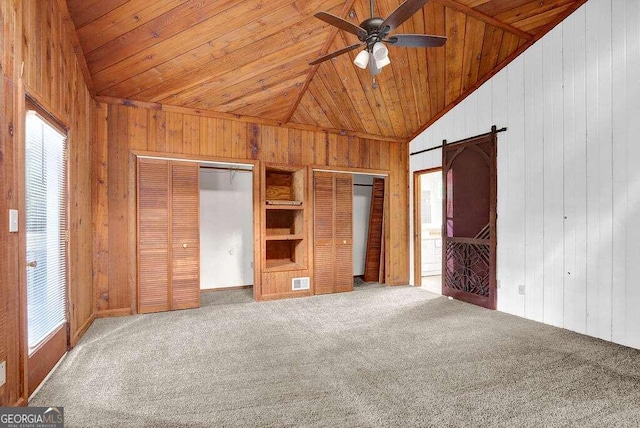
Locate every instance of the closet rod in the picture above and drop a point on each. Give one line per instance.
(226, 169)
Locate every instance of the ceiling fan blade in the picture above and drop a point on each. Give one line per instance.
(401, 14)
(417, 40)
(335, 54)
(342, 24)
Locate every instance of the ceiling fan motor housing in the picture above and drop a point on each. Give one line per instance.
(372, 27)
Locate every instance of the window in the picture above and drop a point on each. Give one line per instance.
(45, 187)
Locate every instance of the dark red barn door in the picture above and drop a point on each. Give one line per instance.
(469, 239)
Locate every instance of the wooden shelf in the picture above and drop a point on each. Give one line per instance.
(297, 237)
(285, 207)
(273, 265)
(282, 202)
(284, 233)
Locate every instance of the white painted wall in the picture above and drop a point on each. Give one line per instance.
(568, 175)
(431, 187)
(226, 228)
(361, 208)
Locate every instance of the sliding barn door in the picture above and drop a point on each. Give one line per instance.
(469, 263)
(168, 235)
(333, 232)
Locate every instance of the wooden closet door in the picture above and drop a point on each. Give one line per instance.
(153, 235)
(185, 235)
(333, 232)
(168, 235)
(323, 248)
(343, 237)
(373, 258)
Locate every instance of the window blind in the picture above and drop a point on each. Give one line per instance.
(45, 173)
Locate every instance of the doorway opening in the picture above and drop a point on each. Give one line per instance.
(428, 226)
(368, 229)
(195, 231)
(348, 229)
(46, 244)
(226, 231)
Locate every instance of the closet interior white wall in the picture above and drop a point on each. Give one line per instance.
(226, 226)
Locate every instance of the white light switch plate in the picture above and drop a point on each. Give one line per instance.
(13, 220)
(3, 372)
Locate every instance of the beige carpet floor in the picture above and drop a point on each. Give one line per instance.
(379, 356)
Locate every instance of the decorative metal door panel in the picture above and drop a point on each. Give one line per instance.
(469, 239)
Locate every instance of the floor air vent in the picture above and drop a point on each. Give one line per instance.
(300, 283)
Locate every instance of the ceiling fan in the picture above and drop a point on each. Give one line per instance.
(373, 33)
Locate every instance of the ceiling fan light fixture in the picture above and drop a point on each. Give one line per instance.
(362, 59)
(382, 62)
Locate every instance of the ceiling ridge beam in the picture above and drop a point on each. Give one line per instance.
(343, 13)
(486, 18)
(243, 118)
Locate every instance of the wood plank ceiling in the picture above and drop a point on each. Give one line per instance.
(251, 57)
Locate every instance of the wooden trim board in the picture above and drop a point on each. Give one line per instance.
(417, 224)
(233, 287)
(242, 118)
(113, 313)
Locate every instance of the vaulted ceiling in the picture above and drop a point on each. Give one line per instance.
(251, 57)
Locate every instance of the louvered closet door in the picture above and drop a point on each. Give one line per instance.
(344, 232)
(153, 235)
(185, 235)
(333, 232)
(373, 259)
(168, 235)
(323, 248)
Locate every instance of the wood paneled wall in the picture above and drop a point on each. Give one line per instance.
(38, 58)
(121, 129)
(568, 181)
